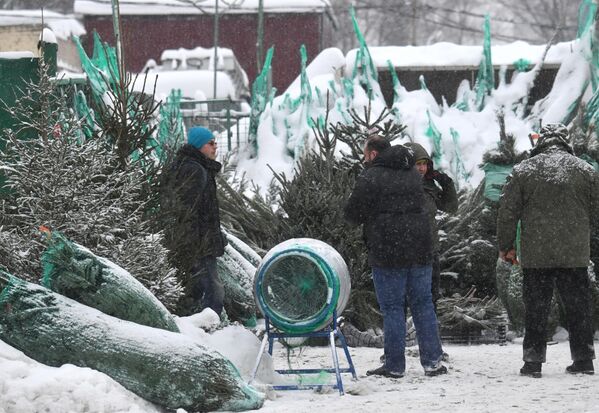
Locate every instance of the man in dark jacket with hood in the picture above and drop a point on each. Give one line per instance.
(554, 195)
(440, 196)
(194, 236)
(388, 200)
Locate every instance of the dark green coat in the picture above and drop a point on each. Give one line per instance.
(555, 195)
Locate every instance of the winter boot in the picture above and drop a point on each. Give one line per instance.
(531, 369)
(581, 366)
(436, 371)
(382, 371)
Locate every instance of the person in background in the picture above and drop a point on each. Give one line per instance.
(440, 196)
(194, 236)
(388, 200)
(553, 196)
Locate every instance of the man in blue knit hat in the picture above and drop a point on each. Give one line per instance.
(194, 236)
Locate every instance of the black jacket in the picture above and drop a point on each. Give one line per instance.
(388, 200)
(442, 197)
(189, 198)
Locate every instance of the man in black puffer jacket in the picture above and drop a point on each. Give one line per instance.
(388, 200)
(193, 233)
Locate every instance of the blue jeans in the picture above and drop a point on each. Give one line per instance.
(392, 286)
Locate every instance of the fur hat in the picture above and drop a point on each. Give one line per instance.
(199, 136)
(553, 134)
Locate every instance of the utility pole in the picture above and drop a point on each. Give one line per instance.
(414, 21)
(215, 44)
(260, 42)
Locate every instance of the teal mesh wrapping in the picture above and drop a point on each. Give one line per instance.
(364, 68)
(77, 273)
(261, 95)
(485, 79)
(435, 136)
(495, 178)
(166, 368)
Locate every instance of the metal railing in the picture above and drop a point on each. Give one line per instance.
(224, 116)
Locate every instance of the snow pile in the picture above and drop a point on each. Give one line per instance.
(63, 26)
(456, 136)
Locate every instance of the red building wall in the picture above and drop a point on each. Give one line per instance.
(145, 37)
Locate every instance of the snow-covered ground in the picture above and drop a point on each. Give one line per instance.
(482, 378)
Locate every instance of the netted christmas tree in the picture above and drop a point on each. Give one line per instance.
(93, 190)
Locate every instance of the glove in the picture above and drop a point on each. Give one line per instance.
(442, 178)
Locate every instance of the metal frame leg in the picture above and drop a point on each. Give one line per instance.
(332, 332)
(259, 358)
(336, 362)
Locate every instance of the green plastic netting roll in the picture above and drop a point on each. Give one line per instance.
(166, 368)
(300, 283)
(75, 272)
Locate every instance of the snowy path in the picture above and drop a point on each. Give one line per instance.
(482, 378)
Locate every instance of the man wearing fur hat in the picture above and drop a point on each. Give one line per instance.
(194, 236)
(554, 195)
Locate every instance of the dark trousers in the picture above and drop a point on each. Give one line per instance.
(206, 287)
(573, 286)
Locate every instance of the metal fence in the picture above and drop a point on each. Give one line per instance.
(224, 116)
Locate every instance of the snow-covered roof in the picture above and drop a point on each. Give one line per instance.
(454, 55)
(16, 55)
(157, 7)
(194, 84)
(63, 26)
(183, 54)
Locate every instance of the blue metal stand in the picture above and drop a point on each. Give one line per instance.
(332, 332)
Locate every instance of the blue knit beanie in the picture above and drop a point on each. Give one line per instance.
(199, 136)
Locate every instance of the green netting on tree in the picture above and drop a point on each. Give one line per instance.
(101, 70)
(590, 160)
(495, 177)
(422, 82)
(170, 129)
(85, 114)
(435, 136)
(166, 368)
(75, 272)
(364, 69)
(485, 79)
(261, 95)
(586, 29)
(237, 274)
(457, 165)
(522, 65)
